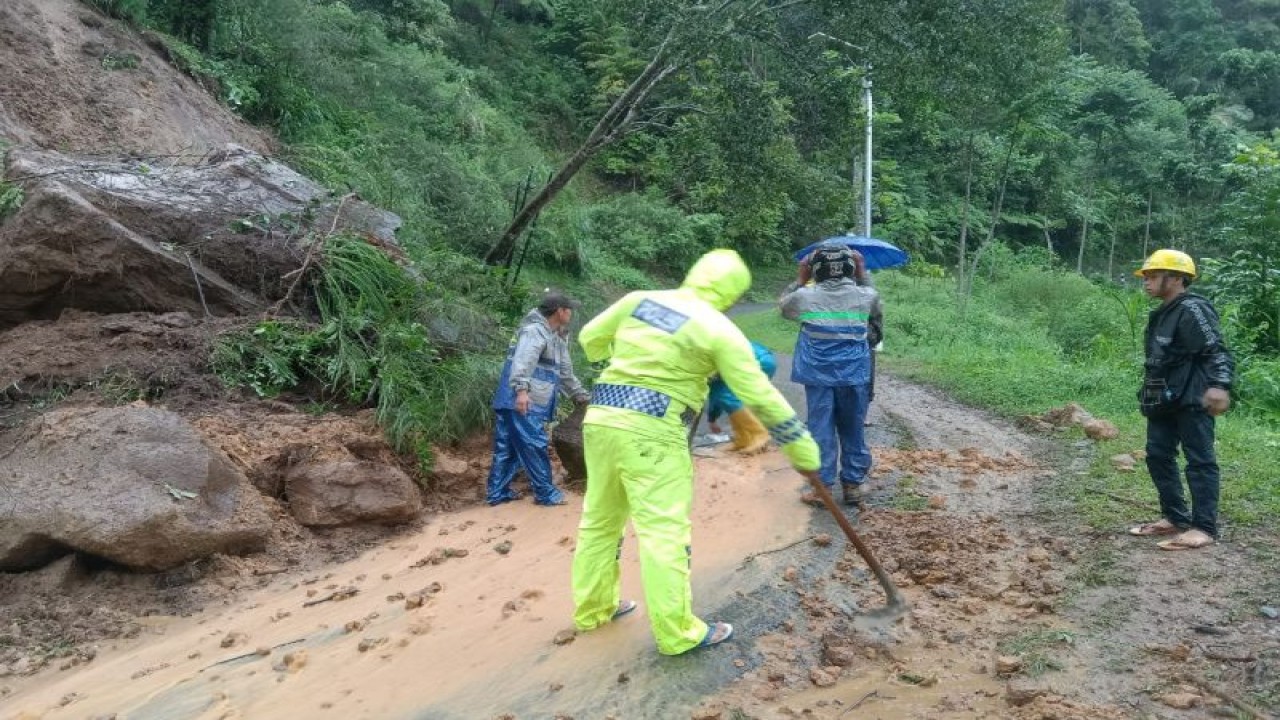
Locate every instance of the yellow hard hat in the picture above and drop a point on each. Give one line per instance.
(1166, 259)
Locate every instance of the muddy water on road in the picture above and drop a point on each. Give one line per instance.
(481, 646)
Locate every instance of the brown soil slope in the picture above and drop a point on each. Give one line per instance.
(78, 81)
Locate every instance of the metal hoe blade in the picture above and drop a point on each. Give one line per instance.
(896, 605)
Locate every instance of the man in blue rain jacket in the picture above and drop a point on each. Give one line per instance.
(840, 321)
(538, 365)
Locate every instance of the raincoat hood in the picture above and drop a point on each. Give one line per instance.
(720, 277)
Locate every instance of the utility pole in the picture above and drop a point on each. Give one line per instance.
(866, 170)
(867, 141)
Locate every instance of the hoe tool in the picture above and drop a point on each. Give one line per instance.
(896, 605)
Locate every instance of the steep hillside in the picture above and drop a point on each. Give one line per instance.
(76, 80)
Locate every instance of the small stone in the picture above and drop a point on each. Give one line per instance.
(1181, 700)
(503, 547)
(839, 655)
(624, 678)
(354, 626)
(739, 663)
(1018, 694)
(1100, 429)
(564, 637)
(1038, 555)
(822, 540)
(1269, 611)
(1123, 462)
(937, 502)
(295, 661)
(234, 638)
(370, 643)
(821, 677)
(1008, 664)
(790, 574)
(262, 651)
(556, 687)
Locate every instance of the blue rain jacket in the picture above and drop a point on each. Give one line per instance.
(538, 360)
(835, 316)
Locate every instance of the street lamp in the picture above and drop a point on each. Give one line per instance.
(867, 107)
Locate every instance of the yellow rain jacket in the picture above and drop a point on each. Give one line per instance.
(671, 341)
(662, 346)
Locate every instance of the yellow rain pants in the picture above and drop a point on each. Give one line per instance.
(651, 481)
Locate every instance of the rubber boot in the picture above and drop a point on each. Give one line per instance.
(749, 436)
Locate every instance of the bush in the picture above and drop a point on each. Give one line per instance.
(372, 347)
(1258, 387)
(1070, 309)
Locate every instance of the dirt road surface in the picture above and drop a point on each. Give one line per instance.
(468, 615)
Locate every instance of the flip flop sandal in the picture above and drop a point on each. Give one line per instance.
(1189, 540)
(626, 607)
(1158, 527)
(712, 630)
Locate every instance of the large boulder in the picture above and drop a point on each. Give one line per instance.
(224, 233)
(348, 492)
(135, 485)
(566, 438)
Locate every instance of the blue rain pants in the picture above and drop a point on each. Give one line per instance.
(520, 441)
(835, 420)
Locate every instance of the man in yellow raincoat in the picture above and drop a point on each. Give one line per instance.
(662, 346)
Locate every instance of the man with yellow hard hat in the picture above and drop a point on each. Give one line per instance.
(661, 347)
(1186, 384)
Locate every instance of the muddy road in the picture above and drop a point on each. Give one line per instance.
(1017, 611)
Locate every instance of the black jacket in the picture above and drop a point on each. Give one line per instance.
(1186, 351)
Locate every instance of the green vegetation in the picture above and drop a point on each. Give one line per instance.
(1038, 649)
(1016, 142)
(11, 197)
(371, 346)
(907, 498)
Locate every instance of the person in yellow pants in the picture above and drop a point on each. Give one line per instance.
(661, 347)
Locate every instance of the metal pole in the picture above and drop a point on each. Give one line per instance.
(866, 178)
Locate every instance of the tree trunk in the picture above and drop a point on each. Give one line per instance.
(998, 205)
(1084, 240)
(1111, 257)
(964, 213)
(1146, 231)
(1088, 207)
(1048, 241)
(608, 129)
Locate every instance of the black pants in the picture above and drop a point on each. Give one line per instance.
(1193, 429)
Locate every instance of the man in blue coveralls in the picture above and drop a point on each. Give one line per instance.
(840, 321)
(538, 365)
